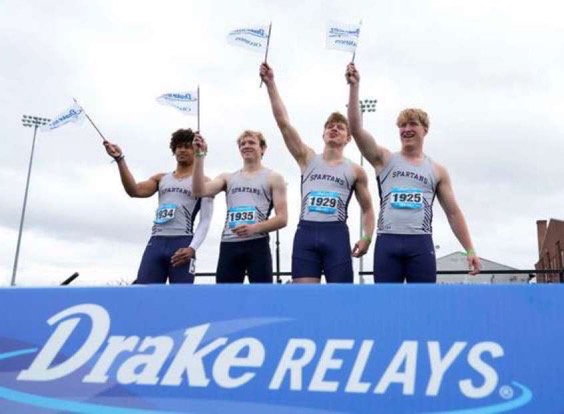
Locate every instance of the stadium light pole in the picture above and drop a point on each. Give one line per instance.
(366, 106)
(35, 122)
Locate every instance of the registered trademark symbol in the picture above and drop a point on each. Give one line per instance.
(506, 392)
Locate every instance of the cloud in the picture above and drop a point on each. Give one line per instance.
(487, 72)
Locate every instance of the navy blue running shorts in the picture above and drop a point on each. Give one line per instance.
(252, 256)
(155, 265)
(322, 247)
(404, 257)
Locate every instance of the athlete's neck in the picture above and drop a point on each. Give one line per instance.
(183, 170)
(413, 153)
(333, 154)
(251, 166)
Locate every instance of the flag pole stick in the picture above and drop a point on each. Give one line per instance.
(267, 46)
(90, 120)
(198, 108)
(354, 53)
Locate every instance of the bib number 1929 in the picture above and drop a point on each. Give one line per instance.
(324, 202)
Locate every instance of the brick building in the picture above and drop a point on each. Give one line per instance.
(551, 250)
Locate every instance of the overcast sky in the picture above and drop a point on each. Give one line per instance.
(488, 72)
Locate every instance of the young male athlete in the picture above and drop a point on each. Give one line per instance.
(171, 251)
(250, 193)
(322, 242)
(408, 181)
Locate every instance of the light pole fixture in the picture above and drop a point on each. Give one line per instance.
(35, 122)
(366, 106)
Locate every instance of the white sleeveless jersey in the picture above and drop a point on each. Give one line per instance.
(249, 201)
(177, 209)
(326, 190)
(407, 193)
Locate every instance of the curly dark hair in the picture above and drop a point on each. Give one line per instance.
(181, 136)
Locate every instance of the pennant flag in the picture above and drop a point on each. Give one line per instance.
(185, 102)
(74, 113)
(342, 36)
(253, 38)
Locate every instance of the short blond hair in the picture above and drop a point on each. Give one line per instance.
(413, 113)
(337, 117)
(256, 134)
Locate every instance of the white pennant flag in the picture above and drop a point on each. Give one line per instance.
(185, 102)
(254, 38)
(74, 113)
(342, 36)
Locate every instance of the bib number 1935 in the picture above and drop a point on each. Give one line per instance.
(241, 215)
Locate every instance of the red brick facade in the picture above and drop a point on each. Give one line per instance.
(551, 250)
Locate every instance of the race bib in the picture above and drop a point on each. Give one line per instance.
(324, 202)
(241, 215)
(165, 213)
(407, 198)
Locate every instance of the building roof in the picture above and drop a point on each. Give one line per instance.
(456, 261)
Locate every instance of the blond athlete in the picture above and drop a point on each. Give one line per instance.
(322, 242)
(251, 194)
(408, 182)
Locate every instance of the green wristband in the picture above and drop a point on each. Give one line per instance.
(367, 238)
(201, 154)
(470, 252)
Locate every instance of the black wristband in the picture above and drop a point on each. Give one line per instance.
(118, 159)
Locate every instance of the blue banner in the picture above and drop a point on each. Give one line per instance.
(282, 349)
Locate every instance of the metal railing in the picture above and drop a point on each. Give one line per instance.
(531, 273)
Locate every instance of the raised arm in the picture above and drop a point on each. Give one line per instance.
(376, 155)
(299, 150)
(364, 199)
(141, 189)
(201, 187)
(445, 195)
(280, 218)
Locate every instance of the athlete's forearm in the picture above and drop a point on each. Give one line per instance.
(353, 110)
(127, 179)
(460, 229)
(278, 108)
(206, 214)
(368, 222)
(272, 224)
(198, 178)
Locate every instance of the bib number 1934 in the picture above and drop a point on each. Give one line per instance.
(165, 213)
